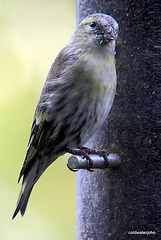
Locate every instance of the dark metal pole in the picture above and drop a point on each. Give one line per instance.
(125, 203)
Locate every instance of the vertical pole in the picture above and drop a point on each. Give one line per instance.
(117, 203)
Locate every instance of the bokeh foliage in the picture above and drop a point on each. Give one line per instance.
(31, 35)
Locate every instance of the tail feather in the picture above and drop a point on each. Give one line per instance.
(30, 176)
(22, 201)
(24, 206)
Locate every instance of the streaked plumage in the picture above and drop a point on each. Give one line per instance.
(75, 100)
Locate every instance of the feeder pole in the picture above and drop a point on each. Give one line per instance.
(125, 203)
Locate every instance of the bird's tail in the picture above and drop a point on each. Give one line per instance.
(31, 173)
(29, 177)
(23, 199)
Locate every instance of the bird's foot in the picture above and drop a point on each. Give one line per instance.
(85, 152)
(101, 153)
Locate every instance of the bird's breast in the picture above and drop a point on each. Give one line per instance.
(102, 85)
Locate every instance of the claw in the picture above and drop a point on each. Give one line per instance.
(85, 152)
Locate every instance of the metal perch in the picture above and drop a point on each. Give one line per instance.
(98, 162)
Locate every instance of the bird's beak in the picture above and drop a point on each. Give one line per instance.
(111, 35)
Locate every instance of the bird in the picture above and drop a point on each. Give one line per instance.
(75, 100)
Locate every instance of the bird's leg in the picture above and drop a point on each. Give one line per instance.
(84, 153)
(102, 153)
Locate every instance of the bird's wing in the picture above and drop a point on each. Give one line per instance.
(42, 119)
(39, 126)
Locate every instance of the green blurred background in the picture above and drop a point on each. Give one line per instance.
(31, 35)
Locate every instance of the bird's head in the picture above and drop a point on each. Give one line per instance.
(97, 31)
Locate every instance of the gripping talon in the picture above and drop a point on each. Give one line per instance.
(85, 152)
(90, 162)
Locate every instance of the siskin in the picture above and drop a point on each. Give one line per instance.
(76, 98)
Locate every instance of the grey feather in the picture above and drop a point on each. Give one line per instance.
(76, 98)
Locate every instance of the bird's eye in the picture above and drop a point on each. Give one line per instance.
(92, 24)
